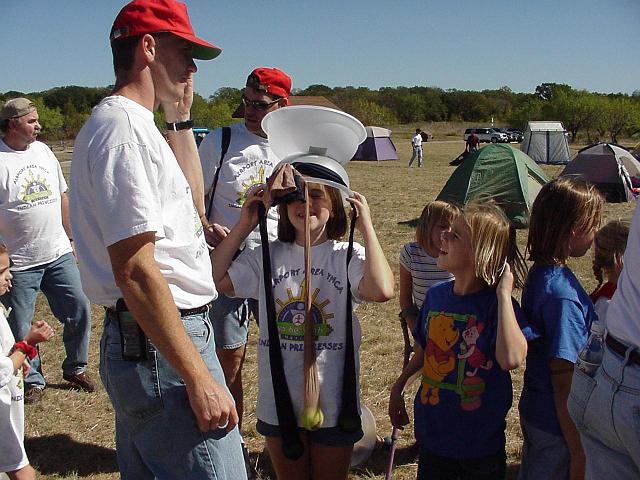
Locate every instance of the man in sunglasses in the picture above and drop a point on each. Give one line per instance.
(229, 177)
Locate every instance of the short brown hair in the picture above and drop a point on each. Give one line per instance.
(609, 245)
(432, 214)
(563, 206)
(493, 240)
(336, 226)
(124, 51)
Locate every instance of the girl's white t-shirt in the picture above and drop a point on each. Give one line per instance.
(329, 298)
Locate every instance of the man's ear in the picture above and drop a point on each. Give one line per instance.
(284, 102)
(148, 46)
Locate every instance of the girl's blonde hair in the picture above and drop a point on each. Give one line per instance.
(563, 206)
(493, 240)
(609, 245)
(433, 213)
(336, 226)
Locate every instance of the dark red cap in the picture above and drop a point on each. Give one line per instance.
(270, 80)
(154, 16)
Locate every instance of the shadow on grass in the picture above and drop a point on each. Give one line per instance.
(60, 454)
(409, 223)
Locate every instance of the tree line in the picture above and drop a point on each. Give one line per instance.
(590, 115)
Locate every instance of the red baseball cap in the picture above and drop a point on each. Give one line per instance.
(154, 16)
(270, 80)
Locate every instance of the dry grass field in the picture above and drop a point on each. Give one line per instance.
(70, 434)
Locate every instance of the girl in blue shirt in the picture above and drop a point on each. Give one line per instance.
(564, 218)
(468, 336)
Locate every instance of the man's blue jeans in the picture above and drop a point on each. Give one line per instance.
(156, 431)
(606, 411)
(60, 282)
(417, 153)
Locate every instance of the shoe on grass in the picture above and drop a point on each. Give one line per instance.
(80, 380)
(33, 395)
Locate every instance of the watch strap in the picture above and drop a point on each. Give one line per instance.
(177, 126)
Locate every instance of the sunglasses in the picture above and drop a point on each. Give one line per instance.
(258, 105)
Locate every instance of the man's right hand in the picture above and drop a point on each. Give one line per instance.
(211, 404)
(214, 234)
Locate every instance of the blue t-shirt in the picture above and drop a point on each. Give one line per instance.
(464, 397)
(557, 306)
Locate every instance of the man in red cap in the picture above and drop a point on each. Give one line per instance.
(142, 255)
(229, 177)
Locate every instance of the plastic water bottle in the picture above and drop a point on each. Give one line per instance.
(590, 356)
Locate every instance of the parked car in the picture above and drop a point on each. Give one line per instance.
(515, 135)
(487, 135)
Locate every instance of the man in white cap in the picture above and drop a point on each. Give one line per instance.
(143, 256)
(34, 223)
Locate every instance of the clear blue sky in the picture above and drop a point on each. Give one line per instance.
(463, 44)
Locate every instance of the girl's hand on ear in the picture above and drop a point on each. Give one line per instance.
(359, 202)
(505, 285)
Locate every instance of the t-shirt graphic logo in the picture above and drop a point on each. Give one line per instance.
(35, 189)
(440, 359)
(251, 184)
(290, 316)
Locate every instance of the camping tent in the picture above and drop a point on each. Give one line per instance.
(546, 142)
(502, 173)
(609, 167)
(377, 146)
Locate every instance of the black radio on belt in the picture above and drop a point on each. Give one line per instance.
(133, 341)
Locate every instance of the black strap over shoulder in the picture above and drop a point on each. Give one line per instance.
(349, 419)
(226, 140)
(292, 446)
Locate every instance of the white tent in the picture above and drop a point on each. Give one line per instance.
(546, 142)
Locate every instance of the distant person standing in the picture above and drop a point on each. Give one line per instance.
(34, 221)
(416, 143)
(473, 142)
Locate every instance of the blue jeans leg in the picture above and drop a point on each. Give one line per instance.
(156, 431)
(61, 285)
(60, 282)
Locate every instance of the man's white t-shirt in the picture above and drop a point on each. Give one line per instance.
(623, 312)
(125, 180)
(247, 164)
(329, 290)
(12, 454)
(416, 141)
(31, 184)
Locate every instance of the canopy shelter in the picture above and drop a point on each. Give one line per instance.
(546, 142)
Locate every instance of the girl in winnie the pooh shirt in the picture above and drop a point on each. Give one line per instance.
(470, 332)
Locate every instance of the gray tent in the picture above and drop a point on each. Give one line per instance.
(609, 167)
(377, 146)
(546, 142)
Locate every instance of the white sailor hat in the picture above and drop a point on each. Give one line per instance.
(317, 141)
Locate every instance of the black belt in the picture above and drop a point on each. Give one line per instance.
(184, 312)
(621, 349)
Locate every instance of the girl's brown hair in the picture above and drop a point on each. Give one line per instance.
(563, 206)
(493, 240)
(336, 226)
(609, 245)
(432, 214)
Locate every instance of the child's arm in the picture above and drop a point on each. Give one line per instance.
(561, 376)
(39, 332)
(397, 408)
(222, 255)
(511, 345)
(377, 281)
(407, 307)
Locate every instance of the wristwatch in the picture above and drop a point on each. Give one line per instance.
(177, 126)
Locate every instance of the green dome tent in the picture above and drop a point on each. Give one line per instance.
(502, 173)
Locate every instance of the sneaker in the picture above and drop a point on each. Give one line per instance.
(33, 395)
(251, 475)
(80, 380)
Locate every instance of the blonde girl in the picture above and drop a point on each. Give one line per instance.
(609, 245)
(327, 450)
(469, 335)
(564, 219)
(418, 260)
